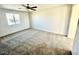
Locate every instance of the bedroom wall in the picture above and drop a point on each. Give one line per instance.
(73, 22)
(74, 29)
(54, 19)
(5, 29)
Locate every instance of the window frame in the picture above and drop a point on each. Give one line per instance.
(12, 19)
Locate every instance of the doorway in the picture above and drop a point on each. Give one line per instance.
(76, 42)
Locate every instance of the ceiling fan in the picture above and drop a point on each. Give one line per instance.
(29, 7)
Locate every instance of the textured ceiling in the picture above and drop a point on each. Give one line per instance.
(21, 8)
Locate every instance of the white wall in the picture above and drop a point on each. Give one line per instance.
(73, 30)
(73, 22)
(6, 29)
(54, 19)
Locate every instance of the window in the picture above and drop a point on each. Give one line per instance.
(13, 18)
(10, 19)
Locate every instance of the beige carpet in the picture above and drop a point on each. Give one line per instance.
(35, 42)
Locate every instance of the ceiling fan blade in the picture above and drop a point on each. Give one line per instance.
(34, 7)
(24, 5)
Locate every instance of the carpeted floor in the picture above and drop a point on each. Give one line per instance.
(35, 42)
